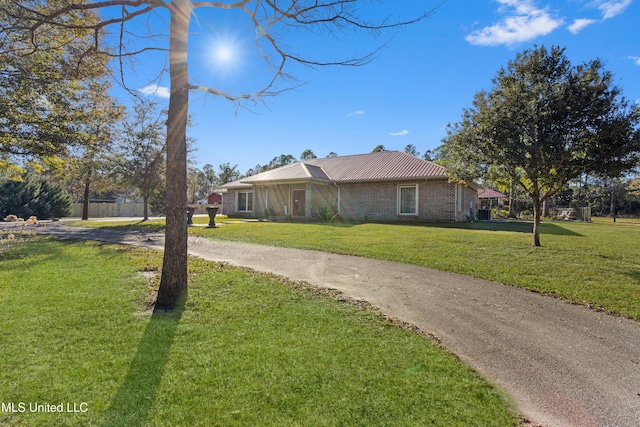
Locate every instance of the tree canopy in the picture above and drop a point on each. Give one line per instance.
(544, 123)
(45, 74)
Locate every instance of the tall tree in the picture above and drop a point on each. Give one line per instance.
(227, 173)
(211, 177)
(141, 150)
(379, 149)
(89, 161)
(544, 123)
(198, 185)
(272, 20)
(411, 149)
(279, 161)
(307, 154)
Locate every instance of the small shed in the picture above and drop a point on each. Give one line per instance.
(214, 199)
(488, 198)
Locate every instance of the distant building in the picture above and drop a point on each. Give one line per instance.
(489, 198)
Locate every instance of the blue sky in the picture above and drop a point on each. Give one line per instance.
(419, 81)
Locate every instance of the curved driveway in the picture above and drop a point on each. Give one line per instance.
(565, 365)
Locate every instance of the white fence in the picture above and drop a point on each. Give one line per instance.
(106, 210)
(573, 214)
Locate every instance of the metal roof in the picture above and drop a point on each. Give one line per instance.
(489, 193)
(293, 172)
(382, 166)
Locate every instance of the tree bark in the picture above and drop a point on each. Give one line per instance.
(145, 207)
(613, 200)
(512, 191)
(537, 214)
(85, 203)
(173, 283)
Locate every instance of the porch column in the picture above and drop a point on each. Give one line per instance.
(307, 200)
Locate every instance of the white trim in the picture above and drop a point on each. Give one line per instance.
(399, 199)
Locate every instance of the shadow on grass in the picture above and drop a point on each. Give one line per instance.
(25, 247)
(635, 275)
(144, 226)
(509, 226)
(136, 396)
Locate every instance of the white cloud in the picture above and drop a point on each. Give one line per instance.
(358, 113)
(612, 8)
(159, 91)
(579, 24)
(635, 59)
(401, 133)
(524, 23)
(608, 8)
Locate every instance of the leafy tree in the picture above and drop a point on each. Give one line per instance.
(279, 161)
(255, 170)
(198, 185)
(227, 173)
(380, 148)
(634, 187)
(141, 150)
(332, 154)
(307, 155)
(411, 149)
(211, 177)
(543, 124)
(46, 73)
(90, 162)
(271, 20)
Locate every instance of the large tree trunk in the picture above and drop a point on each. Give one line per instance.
(173, 284)
(85, 203)
(512, 191)
(145, 207)
(613, 200)
(537, 214)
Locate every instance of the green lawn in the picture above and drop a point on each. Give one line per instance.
(246, 350)
(596, 264)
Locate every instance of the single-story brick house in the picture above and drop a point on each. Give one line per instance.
(384, 186)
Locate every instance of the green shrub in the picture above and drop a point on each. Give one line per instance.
(33, 197)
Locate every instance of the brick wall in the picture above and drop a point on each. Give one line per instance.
(379, 201)
(363, 201)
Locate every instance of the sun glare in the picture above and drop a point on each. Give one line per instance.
(226, 53)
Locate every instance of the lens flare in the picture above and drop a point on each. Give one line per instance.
(226, 53)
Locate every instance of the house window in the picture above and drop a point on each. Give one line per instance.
(245, 201)
(408, 199)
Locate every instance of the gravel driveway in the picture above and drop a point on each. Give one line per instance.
(565, 365)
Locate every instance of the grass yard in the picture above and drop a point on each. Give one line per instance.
(596, 264)
(246, 350)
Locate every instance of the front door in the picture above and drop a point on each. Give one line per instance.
(298, 202)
